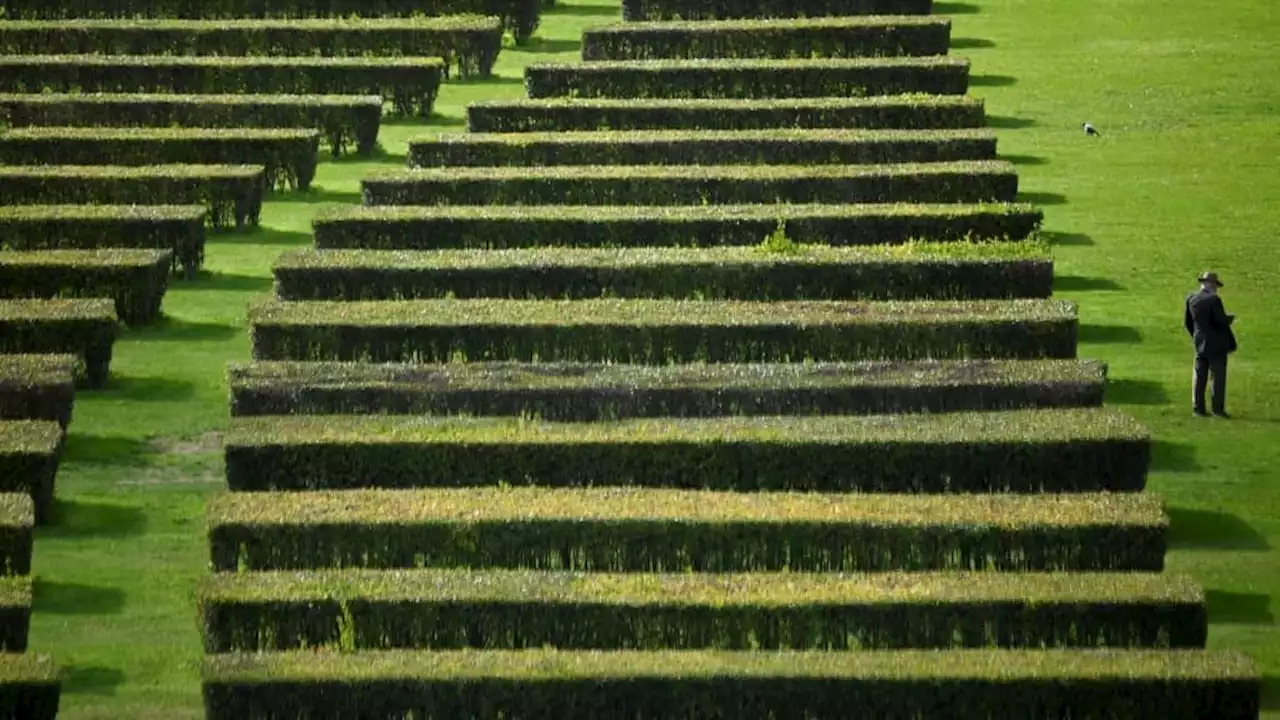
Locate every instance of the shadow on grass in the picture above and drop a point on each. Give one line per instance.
(1242, 608)
(1081, 283)
(169, 329)
(1024, 159)
(539, 45)
(436, 120)
(59, 598)
(1042, 198)
(91, 680)
(991, 80)
(151, 389)
(491, 81)
(1131, 391)
(1067, 239)
(103, 449)
(1005, 122)
(379, 154)
(283, 238)
(230, 281)
(318, 194)
(1173, 457)
(1271, 692)
(1194, 529)
(589, 11)
(81, 519)
(971, 43)
(1109, 334)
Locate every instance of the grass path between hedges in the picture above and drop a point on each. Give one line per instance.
(1180, 180)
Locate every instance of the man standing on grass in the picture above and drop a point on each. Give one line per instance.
(1209, 326)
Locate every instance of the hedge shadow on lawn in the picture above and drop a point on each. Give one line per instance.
(1239, 608)
(317, 194)
(1024, 159)
(540, 45)
(1198, 529)
(91, 680)
(62, 598)
(1132, 391)
(169, 329)
(282, 238)
(150, 389)
(80, 519)
(103, 449)
(983, 80)
(971, 43)
(493, 80)
(1042, 198)
(1173, 457)
(1109, 334)
(1067, 239)
(233, 282)
(1005, 122)
(1271, 692)
(1081, 283)
(588, 11)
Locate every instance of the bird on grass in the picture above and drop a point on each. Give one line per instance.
(1089, 129)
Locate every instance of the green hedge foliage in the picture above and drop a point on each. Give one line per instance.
(838, 37)
(694, 685)
(232, 194)
(1042, 450)
(30, 451)
(654, 530)
(660, 332)
(921, 112)
(748, 79)
(176, 228)
(85, 328)
(950, 271)
(344, 120)
(521, 609)
(17, 518)
(135, 280)
(472, 42)
(410, 83)
(30, 686)
(287, 154)
(778, 9)
(15, 613)
(37, 387)
(579, 392)
(702, 147)
(390, 227)
(951, 182)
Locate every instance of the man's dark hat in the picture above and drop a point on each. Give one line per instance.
(1211, 277)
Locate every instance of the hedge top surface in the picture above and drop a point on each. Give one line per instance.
(219, 61)
(758, 589)
(35, 369)
(164, 133)
(17, 510)
(623, 504)
(15, 591)
(210, 99)
(58, 309)
(29, 436)
(101, 258)
(438, 23)
(176, 171)
(1015, 426)
(674, 213)
(776, 173)
(817, 103)
(549, 664)
(45, 213)
(769, 25)
(526, 258)
(749, 64)
(27, 667)
(662, 136)
(651, 312)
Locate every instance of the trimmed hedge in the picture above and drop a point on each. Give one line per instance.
(232, 193)
(135, 279)
(951, 182)
(85, 328)
(176, 228)
(344, 120)
(949, 271)
(521, 17)
(921, 112)
(15, 614)
(575, 392)
(410, 83)
(693, 685)
(414, 227)
(520, 609)
(702, 147)
(653, 530)
(472, 42)
(37, 387)
(30, 451)
(287, 154)
(660, 331)
(729, 9)
(837, 37)
(30, 686)
(748, 79)
(17, 518)
(1055, 450)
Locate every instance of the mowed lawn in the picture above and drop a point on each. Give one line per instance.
(1180, 181)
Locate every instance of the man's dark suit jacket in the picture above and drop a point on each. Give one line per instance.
(1209, 325)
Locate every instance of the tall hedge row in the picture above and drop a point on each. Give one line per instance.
(653, 530)
(37, 387)
(343, 120)
(177, 228)
(725, 9)
(232, 193)
(952, 182)
(135, 280)
(288, 155)
(841, 37)
(389, 227)
(1059, 450)
(30, 451)
(928, 112)
(748, 79)
(409, 83)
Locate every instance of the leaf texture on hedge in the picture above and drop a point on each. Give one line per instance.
(37, 387)
(136, 280)
(177, 228)
(17, 518)
(30, 451)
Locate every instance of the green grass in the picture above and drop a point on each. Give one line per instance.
(1180, 181)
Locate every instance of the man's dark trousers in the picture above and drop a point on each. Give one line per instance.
(1215, 365)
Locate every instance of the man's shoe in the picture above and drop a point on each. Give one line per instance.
(1222, 414)
(1199, 413)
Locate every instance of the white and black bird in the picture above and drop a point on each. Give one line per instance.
(1089, 129)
